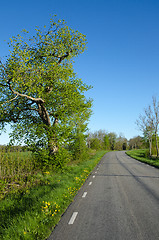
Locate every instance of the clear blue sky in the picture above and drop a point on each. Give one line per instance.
(122, 57)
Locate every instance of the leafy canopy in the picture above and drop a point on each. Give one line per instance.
(39, 92)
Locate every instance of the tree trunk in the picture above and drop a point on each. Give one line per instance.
(156, 143)
(52, 145)
(52, 141)
(150, 146)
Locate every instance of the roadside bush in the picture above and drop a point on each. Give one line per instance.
(56, 161)
(147, 153)
(60, 159)
(95, 143)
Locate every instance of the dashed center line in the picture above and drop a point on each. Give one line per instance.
(84, 194)
(74, 215)
(90, 183)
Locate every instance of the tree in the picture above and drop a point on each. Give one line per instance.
(39, 91)
(121, 143)
(78, 139)
(95, 143)
(155, 119)
(96, 140)
(136, 142)
(149, 123)
(146, 125)
(112, 140)
(106, 142)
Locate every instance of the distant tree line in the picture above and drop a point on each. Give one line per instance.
(18, 148)
(110, 141)
(78, 145)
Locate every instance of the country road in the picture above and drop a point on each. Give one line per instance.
(119, 201)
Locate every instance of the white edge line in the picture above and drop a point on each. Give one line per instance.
(84, 194)
(74, 215)
(94, 176)
(90, 183)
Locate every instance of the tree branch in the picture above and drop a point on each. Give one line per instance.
(24, 95)
(10, 100)
(63, 57)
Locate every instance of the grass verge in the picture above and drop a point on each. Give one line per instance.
(140, 154)
(33, 213)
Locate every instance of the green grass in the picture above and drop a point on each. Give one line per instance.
(140, 154)
(33, 213)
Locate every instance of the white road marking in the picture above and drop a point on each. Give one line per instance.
(90, 183)
(94, 176)
(95, 172)
(84, 194)
(74, 215)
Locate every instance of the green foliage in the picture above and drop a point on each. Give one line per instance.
(147, 153)
(138, 143)
(106, 142)
(79, 149)
(154, 150)
(60, 159)
(95, 143)
(112, 140)
(33, 213)
(40, 95)
(41, 156)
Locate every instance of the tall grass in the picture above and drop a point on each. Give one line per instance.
(34, 213)
(15, 164)
(15, 167)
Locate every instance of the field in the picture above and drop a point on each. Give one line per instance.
(34, 210)
(15, 169)
(141, 155)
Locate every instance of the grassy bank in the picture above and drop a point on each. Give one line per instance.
(140, 154)
(33, 213)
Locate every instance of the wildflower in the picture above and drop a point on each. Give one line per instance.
(24, 232)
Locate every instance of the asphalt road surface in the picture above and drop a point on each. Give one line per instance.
(119, 201)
